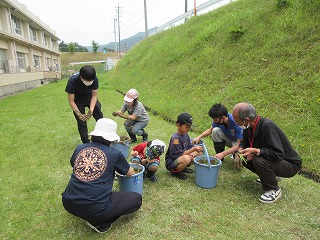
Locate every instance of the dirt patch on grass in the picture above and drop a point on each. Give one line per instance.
(309, 174)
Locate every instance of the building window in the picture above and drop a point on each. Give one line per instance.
(16, 25)
(48, 63)
(33, 34)
(2, 59)
(36, 61)
(21, 57)
(45, 42)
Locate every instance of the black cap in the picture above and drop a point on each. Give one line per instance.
(185, 118)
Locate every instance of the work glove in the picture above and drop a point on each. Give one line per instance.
(115, 114)
(81, 116)
(237, 161)
(89, 114)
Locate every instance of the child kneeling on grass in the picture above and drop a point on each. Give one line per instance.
(148, 154)
(181, 152)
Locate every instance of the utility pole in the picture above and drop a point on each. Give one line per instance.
(185, 9)
(195, 8)
(115, 35)
(119, 29)
(145, 18)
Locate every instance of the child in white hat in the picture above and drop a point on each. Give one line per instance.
(148, 154)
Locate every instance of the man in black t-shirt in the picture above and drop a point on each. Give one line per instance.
(82, 89)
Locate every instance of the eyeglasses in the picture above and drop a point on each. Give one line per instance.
(217, 122)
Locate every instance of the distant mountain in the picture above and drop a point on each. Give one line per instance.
(125, 44)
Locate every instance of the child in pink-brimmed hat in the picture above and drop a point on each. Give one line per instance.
(137, 118)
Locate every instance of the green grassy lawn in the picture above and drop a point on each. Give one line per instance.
(38, 136)
(274, 66)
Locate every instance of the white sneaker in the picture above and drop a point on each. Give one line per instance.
(258, 180)
(271, 196)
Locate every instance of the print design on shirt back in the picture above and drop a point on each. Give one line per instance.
(90, 164)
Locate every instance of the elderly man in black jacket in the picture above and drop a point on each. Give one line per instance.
(267, 150)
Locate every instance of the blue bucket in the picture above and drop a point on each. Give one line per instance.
(133, 183)
(206, 176)
(122, 147)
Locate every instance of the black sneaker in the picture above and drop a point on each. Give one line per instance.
(152, 176)
(98, 229)
(144, 137)
(188, 170)
(133, 140)
(180, 175)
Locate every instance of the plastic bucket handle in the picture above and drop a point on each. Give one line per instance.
(207, 155)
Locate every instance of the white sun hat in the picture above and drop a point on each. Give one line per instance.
(131, 95)
(107, 129)
(156, 148)
(158, 142)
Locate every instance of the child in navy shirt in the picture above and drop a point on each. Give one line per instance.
(181, 152)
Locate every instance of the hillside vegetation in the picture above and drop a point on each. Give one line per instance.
(253, 51)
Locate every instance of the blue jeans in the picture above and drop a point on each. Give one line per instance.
(134, 128)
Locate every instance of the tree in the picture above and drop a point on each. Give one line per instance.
(95, 46)
(63, 47)
(72, 47)
(81, 48)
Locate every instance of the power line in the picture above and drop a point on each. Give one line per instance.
(127, 28)
(133, 24)
(133, 16)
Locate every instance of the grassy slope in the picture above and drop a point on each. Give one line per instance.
(275, 66)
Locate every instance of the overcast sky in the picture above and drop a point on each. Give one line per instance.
(83, 21)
